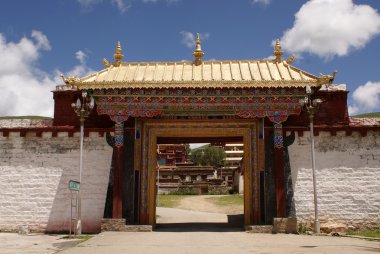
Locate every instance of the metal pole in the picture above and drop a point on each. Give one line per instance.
(71, 212)
(79, 225)
(82, 109)
(316, 220)
(158, 184)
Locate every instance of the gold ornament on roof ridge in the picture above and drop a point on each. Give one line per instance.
(106, 63)
(118, 56)
(278, 51)
(198, 53)
(327, 79)
(291, 59)
(278, 54)
(69, 80)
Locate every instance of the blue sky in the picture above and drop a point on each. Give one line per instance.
(41, 39)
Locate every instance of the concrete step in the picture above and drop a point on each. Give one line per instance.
(264, 229)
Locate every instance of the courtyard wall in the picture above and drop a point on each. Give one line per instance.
(34, 176)
(348, 179)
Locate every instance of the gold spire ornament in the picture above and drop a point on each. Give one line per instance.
(198, 53)
(118, 55)
(278, 51)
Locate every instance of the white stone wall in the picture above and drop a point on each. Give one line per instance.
(34, 175)
(348, 179)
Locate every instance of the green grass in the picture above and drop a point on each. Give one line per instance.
(81, 237)
(371, 233)
(25, 117)
(228, 200)
(369, 115)
(170, 200)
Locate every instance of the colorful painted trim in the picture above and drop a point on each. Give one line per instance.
(278, 137)
(276, 104)
(119, 134)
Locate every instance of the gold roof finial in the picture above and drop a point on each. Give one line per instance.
(278, 51)
(118, 55)
(198, 53)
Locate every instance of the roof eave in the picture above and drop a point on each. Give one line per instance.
(196, 84)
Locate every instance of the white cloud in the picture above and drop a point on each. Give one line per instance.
(122, 5)
(81, 56)
(88, 3)
(366, 98)
(188, 38)
(330, 28)
(25, 89)
(263, 2)
(156, 1)
(42, 40)
(79, 70)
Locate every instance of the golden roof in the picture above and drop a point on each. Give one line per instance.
(205, 74)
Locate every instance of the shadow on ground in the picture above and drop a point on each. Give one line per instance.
(67, 244)
(235, 224)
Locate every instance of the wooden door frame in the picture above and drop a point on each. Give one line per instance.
(152, 129)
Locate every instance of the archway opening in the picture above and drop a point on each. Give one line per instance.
(158, 131)
(200, 183)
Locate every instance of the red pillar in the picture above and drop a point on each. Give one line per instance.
(279, 170)
(117, 205)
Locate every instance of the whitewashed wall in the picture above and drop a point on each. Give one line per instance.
(34, 175)
(348, 179)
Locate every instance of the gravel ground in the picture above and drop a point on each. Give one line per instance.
(12, 243)
(202, 203)
(177, 240)
(181, 231)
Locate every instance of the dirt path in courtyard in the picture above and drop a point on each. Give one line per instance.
(203, 203)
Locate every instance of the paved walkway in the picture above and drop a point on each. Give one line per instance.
(176, 242)
(221, 234)
(11, 243)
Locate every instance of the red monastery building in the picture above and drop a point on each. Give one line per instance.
(140, 105)
(171, 154)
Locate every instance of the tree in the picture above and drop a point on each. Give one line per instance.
(209, 156)
(188, 150)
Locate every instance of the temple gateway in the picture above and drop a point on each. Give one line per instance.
(139, 105)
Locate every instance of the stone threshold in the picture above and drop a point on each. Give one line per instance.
(119, 225)
(280, 225)
(259, 229)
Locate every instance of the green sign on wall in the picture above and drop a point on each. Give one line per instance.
(74, 185)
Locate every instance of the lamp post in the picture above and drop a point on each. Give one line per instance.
(311, 107)
(82, 108)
